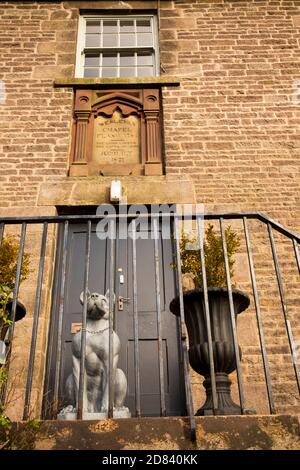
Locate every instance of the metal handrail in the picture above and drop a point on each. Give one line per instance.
(207, 216)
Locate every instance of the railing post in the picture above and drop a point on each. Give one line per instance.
(14, 307)
(232, 316)
(1, 231)
(207, 319)
(158, 320)
(258, 318)
(297, 255)
(186, 368)
(61, 307)
(81, 385)
(35, 323)
(136, 326)
(112, 233)
(284, 305)
(17, 283)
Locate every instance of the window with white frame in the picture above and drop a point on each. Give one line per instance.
(124, 46)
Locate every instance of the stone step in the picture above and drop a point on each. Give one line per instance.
(213, 433)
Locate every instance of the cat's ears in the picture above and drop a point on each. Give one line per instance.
(81, 298)
(107, 296)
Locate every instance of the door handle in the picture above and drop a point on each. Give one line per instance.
(122, 301)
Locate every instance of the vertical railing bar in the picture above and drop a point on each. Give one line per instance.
(297, 255)
(187, 378)
(35, 322)
(232, 316)
(2, 390)
(12, 316)
(47, 404)
(283, 304)
(112, 231)
(60, 317)
(207, 319)
(259, 318)
(17, 283)
(136, 326)
(289, 329)
(81, 383)
(1, 231)
(158, 320)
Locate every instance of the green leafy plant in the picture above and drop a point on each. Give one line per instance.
(20, 436)
(4, 314)
(214, 258)
(9, 253)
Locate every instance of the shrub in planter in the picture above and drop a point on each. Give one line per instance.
(214, 258)
(220, 317)
(9, 251)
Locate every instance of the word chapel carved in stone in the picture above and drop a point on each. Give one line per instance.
(116, 132)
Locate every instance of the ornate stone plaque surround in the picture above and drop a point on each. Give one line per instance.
(116, 132)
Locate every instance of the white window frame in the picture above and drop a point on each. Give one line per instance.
(81, 49)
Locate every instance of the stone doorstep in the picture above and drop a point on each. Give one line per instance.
(213, 433)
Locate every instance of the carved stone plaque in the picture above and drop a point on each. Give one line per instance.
(117, 133)
(116, 139)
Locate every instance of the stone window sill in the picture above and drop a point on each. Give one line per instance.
(136, 82)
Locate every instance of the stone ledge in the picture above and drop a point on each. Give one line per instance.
(136, 82)
(88, 191)
(213, 433)
(29, 211)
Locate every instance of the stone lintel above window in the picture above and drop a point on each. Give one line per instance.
(136, 82)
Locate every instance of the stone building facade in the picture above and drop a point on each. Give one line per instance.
(229, 78)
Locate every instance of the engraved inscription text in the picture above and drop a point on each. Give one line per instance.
(116, 139)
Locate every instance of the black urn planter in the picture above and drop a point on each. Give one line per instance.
(222, 339)
(20, 313)
(4, 343)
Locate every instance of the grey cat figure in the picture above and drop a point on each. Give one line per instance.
(96, 372)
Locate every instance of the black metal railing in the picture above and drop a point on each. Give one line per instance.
(221, 218)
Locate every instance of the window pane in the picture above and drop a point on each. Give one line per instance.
(144, 39)
(110, 40)
(143, 26)
(92, 40)
(109, 72)
(145, 71)
(91, 73)
(127, 26)
(127, 58)
(127, 72)
(109, 60)
(92, 60)
(127, 40)
(110, 26)
(119, 47)
(93, 26)
(145, 58)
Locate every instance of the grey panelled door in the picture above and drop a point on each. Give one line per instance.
(148, 346)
